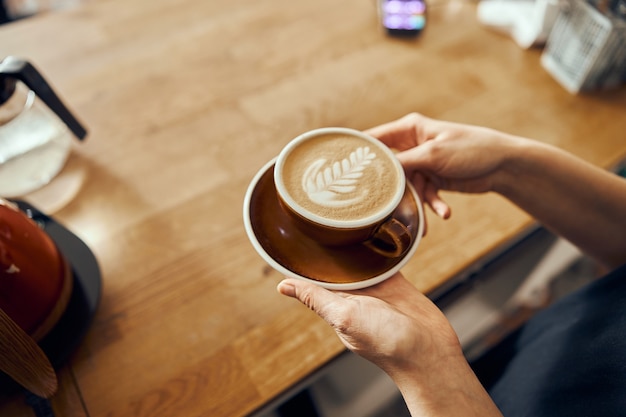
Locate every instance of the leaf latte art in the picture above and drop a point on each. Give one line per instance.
(330, 185)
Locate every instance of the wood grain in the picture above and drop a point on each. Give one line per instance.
(23, 360)
(185, 101)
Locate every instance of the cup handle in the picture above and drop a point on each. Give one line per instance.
(23, 360)
(392, 239)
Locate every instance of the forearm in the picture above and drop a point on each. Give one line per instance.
(583, 203)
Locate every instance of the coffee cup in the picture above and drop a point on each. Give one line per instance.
(340, 186)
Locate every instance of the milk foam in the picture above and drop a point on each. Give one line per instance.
(336, 184)
(340, 177)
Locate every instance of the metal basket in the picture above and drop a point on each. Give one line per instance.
(586, 49)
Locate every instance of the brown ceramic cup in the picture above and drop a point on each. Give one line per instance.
(340, 187)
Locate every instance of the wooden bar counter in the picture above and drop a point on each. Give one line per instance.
(184, 101)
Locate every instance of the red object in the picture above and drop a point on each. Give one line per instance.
(35, 280)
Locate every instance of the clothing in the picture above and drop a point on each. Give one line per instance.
(568, 360)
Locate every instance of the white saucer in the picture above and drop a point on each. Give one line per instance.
(286, 249)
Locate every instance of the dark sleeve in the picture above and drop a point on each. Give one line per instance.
(568, 360)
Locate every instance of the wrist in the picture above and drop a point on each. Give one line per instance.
(447, 389)
(517, 154)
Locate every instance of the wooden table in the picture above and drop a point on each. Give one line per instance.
(185, 101)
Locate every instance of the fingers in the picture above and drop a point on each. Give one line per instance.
(429, 193)
(389, 287)
(425, 157)
(400, 134)
(317, 298)
(410, 135)
(436, 203)
(395, 291)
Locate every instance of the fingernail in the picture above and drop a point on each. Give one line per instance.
(442, 210)
(287, 289)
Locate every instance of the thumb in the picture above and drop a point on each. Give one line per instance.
(311, 295)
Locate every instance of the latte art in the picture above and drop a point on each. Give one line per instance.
(342, 177)
(338, 185)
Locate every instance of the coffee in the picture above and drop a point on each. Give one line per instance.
(342, 177)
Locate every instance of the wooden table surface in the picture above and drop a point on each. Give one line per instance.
(185, 100)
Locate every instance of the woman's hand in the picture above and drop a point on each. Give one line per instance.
(391, 324)
(575, 199)
(439, 155)
(401, 331)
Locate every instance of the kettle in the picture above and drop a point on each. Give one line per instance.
(36, 282)
(36, 129)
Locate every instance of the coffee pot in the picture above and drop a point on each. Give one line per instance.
(35, 287)
(36, 129)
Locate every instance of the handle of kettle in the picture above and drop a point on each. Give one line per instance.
(23, 360)
(28, 74)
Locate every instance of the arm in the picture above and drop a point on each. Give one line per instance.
(573, 198)
(400, 330)
(584, 204)
(395, 326)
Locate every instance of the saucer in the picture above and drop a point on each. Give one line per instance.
(292, 253)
